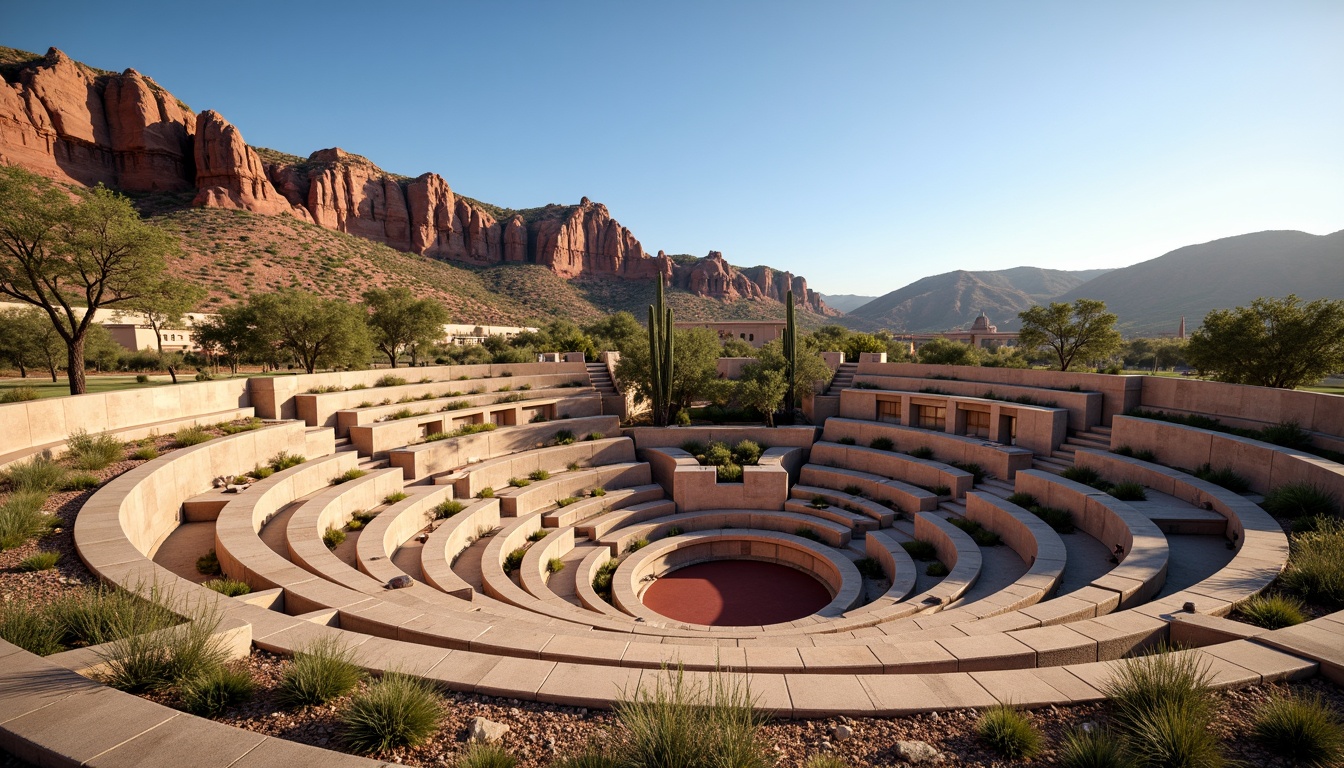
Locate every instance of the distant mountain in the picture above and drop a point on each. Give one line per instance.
(1150, 297)
(845, 302)
(954, 299)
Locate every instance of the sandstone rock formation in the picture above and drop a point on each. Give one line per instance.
(79, 125)
(75, 124)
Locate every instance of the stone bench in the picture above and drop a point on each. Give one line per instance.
(857, 523)
(831, 534)
(447, 541)
(1039, 429)
(595, 506)
(378, 439)
(924, 473)
(331, 509)
(998, 460)
(883, 516)
(907, 498)
(372, 414)
(541, 494)
(899, 568)
(454, 453)
(596, 527)
(496, 473)
(383, 535)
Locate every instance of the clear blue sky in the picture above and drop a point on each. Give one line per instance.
(863, 145)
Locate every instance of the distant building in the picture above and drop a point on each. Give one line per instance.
(135, 337)
(981, 334)
(469, 335)
(757, 333)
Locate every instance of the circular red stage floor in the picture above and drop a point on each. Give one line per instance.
(736, 593)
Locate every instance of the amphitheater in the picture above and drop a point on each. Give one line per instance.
(1040, 619)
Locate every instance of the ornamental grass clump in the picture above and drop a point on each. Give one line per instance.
(1163, 707)
(447, 509)
(920, 550)
(228, 587)
(1316, 563)
(396, 710)
(211, 693)
(882, 444)
(1009, 732)
(1273, 611)
(42, 561)
(284, 460)
(137, 661)
(37, 475)
(981, 535)
(1302, 728)
(29, 626)
(1129, 491)
(1095, 748)
(192, 435)
(1295, 500)
(322, 671)
(21, 518)
(93, 452)
(1224, 477)
(680, 723)
(1061, 520)
(485, 755)
(333, 537)
(348, 475)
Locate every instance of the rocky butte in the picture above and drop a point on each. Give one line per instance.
(79, 125)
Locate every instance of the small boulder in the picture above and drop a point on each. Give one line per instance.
(842, 732)
(487, 730)
(399, 582)
(916, 752)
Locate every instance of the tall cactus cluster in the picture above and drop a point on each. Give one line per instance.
(660, 357)
(790, 356)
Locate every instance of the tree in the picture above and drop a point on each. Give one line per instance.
(29, 340)
(615, 332)
(858, 343)
(319, 332)
(941, 351)
(163, 306)
(762, 388)
(811, 369)
(1081, 332)
(101, 350)
(230, 335)
(72, 258)
(831, 338)
(736, 347)
(1281, 343)
(695, 368)
(1003, 357)
(399, 321)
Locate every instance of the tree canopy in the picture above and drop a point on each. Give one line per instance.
(1282, 343)
(71, 257)
(1070, 333)
(942, 351)
(399, 322)
(695, 367)
(320, 333)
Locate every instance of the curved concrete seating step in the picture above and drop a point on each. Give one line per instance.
(496, 473)
(333, 508)
(379, 438)
(857, 523)
(997, 459)
(460, 398)
(533, 574)
(1143, 566)
(448, 540)
(904, 496)
(956, 550)
(394, 526)
(925, 473)
(882, 515)
(515, 502)
(583, 583)
(596, 527)
(831, 534)
(441, 458)
(594, 506)
(896, 564)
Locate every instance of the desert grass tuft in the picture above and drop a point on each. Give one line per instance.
(1097, 748)
(228, 587)
(29, 627)
(1009, 732)
(21, 518)
(1316, 563)
(322, 671)
(678, 723)
(482, 755)
(1303, 729)
(213, 692)
(1296, 500)
(146, 661)
(38, 475)
(1168, 736)
(1273, 611)
(41, 561)
(394, 711)
(93, 451)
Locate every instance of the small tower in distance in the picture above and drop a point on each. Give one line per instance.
(1180, 333)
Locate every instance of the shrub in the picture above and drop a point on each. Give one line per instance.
(1316, 563)
(936, 569)
(555, 565)
(19, 395)
(920, 550)
(321, 672)
(1140, 686)
(694, 448)
(1224, 477)
(486, 755)
(399, 414)
(1302, 729)
(447, 509)
(591, 756)
(564, 437)
(1129, 491)
(102, 614)
(93, 451)
(193, 435)
(519, 482)
(637, 545)
(882, 444)
(922, 452)
(1024, 500)
(1059, 519)
(1084, 475)
(854, 490)
(847, 441)
(41, 561)
(39, 474)
(572, 466)
(602, 579)
(455, 405)
(718, 454)
(538, 534)
(1288, 434)
(208, 564)
(1300, 500)
(1097, 748)
(1168, 736)
(284, 460)
(245, 425)
(978, 473)
(486, 493)
(213, 692)
(941, 490)
(819, 502)
(598, 492)
(595, 436)
(394, 711)
(870, 568)
(710, 724)
(1273, 611)
(144, 661)
(1009, 732)
(806, 533)
(21, 518)
(30, 627)
(675, 531)
(472, 429)
(729, 473)
(79, 481)
(747, 452)
(347, 476)
(333, 537)
(981, 535)
(228, 587)
(514, 559)
(513, 398)
(389, 380)
(147, 453)
(354, 525)
(539, 474)
(394, 497)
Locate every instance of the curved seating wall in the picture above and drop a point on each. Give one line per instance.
(1084, 407)
(333, 508)
(925, 473)
(956, 550)
(496, 473)
(1002, 461)
(882, 516)
(585, 510)
(369, 414)
(377, 439)
(1038, 429)
(766, 437)
(425, 459)
(394, 526)
(1246, 406)
(1264, 465)
(449, 539)
(543, 493)
(903, 496)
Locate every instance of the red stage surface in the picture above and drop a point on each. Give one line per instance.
(736, 593)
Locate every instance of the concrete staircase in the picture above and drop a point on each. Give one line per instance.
(1096, 438)
(844, 377)
(601, 379)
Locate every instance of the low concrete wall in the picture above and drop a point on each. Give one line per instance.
(898, 466)
(767, 437)
(1040, 430)
(425, 459)
(351, 417)
(1245, 406)
(1003, 461)
(693, 487)
(377, 439)
(1084, 408)
(1264, 465)
(1119, 393)
(496, 473)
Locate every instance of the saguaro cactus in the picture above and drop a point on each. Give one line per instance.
(660, 357)
(790, 357)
